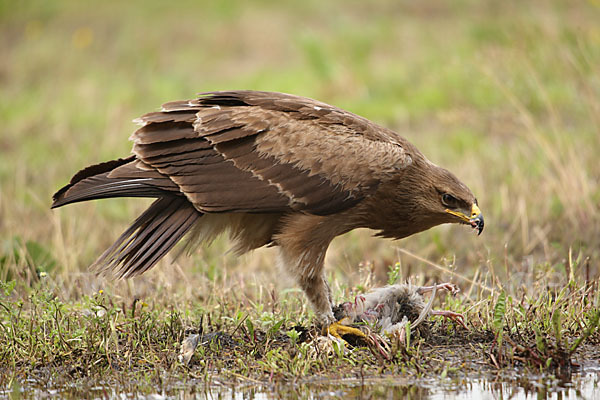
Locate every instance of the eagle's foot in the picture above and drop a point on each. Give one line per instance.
(339, 329)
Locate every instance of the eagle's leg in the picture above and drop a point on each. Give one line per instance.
(319, 294)
(303, 241)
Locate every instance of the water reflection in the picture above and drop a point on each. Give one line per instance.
(581, 386)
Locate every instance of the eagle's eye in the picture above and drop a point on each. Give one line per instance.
(449, 201)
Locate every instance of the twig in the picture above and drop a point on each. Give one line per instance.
(447, 270)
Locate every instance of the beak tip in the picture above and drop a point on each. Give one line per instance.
(478, 223)
(476, 220)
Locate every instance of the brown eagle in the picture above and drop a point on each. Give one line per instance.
(271, 169)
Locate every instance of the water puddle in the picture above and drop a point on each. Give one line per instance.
(585, 385)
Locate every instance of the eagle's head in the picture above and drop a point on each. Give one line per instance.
(421, 197)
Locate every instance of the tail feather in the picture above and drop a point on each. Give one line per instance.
(153, 233)
(149, 238)
(102, 187)
(118, 178)
(60, 198)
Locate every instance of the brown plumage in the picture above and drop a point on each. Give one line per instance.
(270, 168)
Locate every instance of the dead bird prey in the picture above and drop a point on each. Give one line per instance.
(272, 169)
(392, 307)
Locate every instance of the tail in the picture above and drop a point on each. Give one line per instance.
(117, 178)
(149, 238)
(153, 233)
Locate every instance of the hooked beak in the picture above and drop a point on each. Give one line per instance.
(475, 220)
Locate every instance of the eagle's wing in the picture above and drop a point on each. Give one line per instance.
(245, 152)
(262, 152)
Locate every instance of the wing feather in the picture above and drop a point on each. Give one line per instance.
(259, 152)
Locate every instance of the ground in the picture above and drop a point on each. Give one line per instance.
(504, 94)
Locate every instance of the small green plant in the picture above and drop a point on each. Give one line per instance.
(498, 322)
(394, 273)
(294, 335)
(592, 325)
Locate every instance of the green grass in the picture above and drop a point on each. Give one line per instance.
(506, 95)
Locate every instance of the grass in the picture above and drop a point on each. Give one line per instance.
(506, 95)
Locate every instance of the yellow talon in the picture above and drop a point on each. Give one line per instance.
(338, 329)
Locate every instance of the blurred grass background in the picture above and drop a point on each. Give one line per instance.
(504, 94)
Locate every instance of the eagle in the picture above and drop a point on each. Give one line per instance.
(271, 169)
